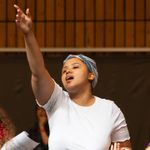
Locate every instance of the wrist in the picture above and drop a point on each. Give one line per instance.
(29, 33)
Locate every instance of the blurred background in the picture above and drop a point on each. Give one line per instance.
(116, 33)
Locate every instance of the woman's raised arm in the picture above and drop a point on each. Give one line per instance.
(42, 83)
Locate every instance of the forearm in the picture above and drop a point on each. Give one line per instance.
(44, 135)
(34, 54)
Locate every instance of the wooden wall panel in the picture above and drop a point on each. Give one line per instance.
(99, 9)
(147, 11)
(60, 9)
(60, 34)
(50, 34)
(120, 10)
(40, 33)
(20, 3)
(99, 34)
(3, 10)
(140, 34)
(89, 34)
(11, 34)
(70, 9)
(10, 10)
(80, 23)
(40, 24)
(90, 10)
(79, 34)
(109, 34)
(50, 10)
(80, 10)
(3, 24)
(140, 10)
(19, 39)
(2, 34)
(40, 10)
(32, 7)
(148, 34)
(119, 34)
(109, 9)
(129, 10)
(129, 34)
(70, 34)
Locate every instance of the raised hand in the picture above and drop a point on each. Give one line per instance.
(23, 20)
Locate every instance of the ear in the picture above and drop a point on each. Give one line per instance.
(91, 76)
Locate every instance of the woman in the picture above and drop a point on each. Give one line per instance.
(7, 129)
(77, 119)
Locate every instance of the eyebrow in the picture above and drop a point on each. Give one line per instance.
(71, 65)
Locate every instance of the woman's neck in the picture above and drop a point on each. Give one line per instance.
(83, 98)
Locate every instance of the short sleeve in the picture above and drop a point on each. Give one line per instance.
(56, 99)
(120, 130)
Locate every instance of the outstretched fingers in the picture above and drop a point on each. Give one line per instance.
(20, 15)
(23, 20)
(28, 13)
(16, 6)
(19, 11)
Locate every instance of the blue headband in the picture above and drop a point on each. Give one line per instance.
(90, 63)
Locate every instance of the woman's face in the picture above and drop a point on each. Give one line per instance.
(74, 75)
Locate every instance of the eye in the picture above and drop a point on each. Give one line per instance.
(74, 67)
(63, 71)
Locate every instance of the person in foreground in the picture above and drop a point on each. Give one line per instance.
(77, 119)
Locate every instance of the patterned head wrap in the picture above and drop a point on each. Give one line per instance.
(90, 63)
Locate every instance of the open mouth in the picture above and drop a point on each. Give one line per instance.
(69, 78)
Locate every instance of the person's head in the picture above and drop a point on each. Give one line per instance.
(79, 71)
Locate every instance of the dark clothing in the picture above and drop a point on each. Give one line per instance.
(34, 134)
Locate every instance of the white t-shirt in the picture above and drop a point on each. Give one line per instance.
(75, 127)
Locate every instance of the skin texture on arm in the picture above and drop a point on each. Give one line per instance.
(42, 83)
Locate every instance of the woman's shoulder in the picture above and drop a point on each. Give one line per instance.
(104, 100)
(106, 103)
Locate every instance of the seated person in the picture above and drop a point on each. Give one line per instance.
(40, 131)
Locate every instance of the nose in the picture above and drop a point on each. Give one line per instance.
(68, 70)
